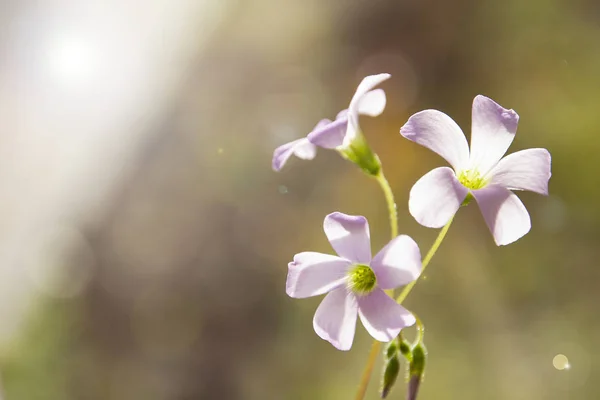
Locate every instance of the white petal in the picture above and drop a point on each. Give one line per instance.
(305, 149)
(524, 170)
(493, 130)
(382, 317)
(335, 319)
(504, 213)
(398, 263)
(439, 133)
(349, 236)
(365, 86)
(311, 274)
(372, 103)
(436, 197)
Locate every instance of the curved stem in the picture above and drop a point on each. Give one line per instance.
(366, 375)
(393, 214)
(438, 241)
(391, 203)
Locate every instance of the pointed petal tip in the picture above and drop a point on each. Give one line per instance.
(378, 77)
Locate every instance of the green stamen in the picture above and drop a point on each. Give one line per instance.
(361, 279)
(472, 179)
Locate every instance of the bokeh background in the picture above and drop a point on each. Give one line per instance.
(144, 239)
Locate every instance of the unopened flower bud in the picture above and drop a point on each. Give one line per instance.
(416, 370)
(390, 375)
(391, 350)
(404, 348)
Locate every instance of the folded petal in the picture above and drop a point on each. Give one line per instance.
(436, 197)
(311, 274)
(335, 319)
(302, 148)
(439, 133)
(524, 170)
(329, 135)
(398, 263)
(382, 317)
(504, 213)
(349, 236)
(493, 130)
(372, 103)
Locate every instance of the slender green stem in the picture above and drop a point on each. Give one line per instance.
(389, 196)
(366, 375)
(438, 241)
(391, 203)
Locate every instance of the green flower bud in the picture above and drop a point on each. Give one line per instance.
(416, 370)
(390, 375)
(391, 350)
(404, 348)
(419, 357)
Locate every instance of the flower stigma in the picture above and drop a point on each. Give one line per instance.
(361, 279)
(472, 179)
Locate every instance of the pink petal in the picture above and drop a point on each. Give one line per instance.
(504, 213)
(439, 133)
(349, 236)
(329, 135)
(436, 197)
(335, 319)
(372, 103)
(398, 263)
(524, 170)
(302, 148)
(311, 274)
(493, 130)
(382, 317)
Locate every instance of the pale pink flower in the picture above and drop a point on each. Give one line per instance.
(480, 171)
(355, 282)
(342, 134)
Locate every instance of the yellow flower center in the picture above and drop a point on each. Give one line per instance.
(361, 279)
(472, 179)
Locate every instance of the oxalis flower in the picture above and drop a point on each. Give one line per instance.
(481, 173)
(343, 134)
(355, 282)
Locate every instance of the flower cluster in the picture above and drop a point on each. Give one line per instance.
(355, 282)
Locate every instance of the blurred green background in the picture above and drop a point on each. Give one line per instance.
(145, 239)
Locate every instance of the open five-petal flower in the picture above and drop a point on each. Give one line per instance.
(341, 133)
(355, 282)
(480, 171)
